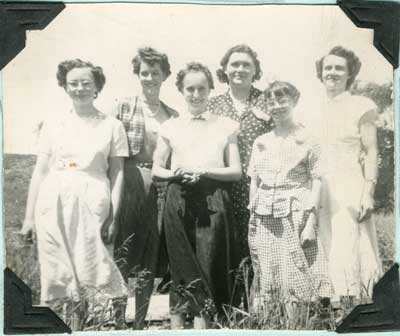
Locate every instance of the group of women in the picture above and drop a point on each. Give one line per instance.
(202, 189)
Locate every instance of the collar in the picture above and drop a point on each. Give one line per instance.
(244, 102)
(205, 116)
(170, 111)
(340, 97)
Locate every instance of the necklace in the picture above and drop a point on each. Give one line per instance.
(149, 112)
(240, 105)
(85, 116)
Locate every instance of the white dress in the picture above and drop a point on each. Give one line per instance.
(354, 263)
(73, 202)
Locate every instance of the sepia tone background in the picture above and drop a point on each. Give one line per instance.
(288, 40)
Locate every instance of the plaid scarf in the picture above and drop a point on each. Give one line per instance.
(130, 112)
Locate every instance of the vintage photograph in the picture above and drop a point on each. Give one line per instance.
(171, 166)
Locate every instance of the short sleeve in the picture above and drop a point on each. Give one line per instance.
(367, 110)
(232, 129)
(315, 163)
(116, 110)
(45, 139)
(119, 141)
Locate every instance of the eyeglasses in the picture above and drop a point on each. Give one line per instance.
(84, 84)
(279, 100)
(277, 96)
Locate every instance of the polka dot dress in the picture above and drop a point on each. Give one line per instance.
(251, 127)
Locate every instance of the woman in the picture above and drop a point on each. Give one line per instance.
(197, 218)
(349, 138)
(285, 174)
(243, 103)
(137, 244)
(74, 194)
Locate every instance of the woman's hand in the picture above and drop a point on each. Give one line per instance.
(308, 236)
(28, 231)
(180, 171)
(366, 207)
(187, 175)
(190, 179)
(109, 230)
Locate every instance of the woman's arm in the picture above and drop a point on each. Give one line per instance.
(160, 158)
(253, 188)
(116, 176)
(308, 235)
(39, 173)
(315, 195)
(368, 134)
(233, 170)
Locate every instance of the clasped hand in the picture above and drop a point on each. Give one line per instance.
(188, 175)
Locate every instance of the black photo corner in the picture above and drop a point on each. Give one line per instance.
(20, 317)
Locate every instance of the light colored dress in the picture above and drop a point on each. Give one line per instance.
(73, 202)
(354, 263)
(284, 168)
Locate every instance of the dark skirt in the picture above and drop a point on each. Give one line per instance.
(140, 244)
(197, 223)
(239, 193)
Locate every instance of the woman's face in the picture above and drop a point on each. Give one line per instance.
(240, 69)
(196, 90)
(81, 86)
(151, 78)
(280, 106)
(335, 73)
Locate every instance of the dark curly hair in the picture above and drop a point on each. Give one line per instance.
(194, 67)
(280, 88)
(240, 48)
(67, 66)
(353, 63)
(151, 57)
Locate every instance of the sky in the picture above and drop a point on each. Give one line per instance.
(288, 40)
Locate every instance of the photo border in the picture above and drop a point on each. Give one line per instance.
(396, 86)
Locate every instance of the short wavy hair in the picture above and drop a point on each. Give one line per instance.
(194, 67)
(280, 88)
(67, 66)
(353, 63)
(240, 48)
(151, 56)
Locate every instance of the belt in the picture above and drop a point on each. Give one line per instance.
(132, 161)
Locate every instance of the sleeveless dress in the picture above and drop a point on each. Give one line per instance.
(354, 262)
(73, 202)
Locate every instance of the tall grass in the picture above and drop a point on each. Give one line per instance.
(276, 312)
(95, 314)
